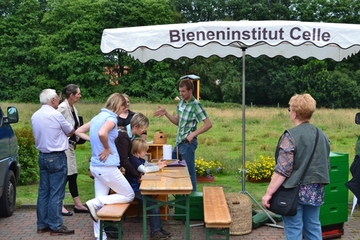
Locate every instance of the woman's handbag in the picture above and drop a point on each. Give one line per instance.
(285, 200)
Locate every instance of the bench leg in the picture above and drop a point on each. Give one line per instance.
(227, 233)
(119, 228)
(222, 231)
(101, 229)
(117, 225)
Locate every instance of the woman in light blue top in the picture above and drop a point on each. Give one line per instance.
(105, 159)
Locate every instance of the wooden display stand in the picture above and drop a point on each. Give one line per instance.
(156, 150)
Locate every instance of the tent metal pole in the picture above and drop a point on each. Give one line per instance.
(243, 119)
(243, 171)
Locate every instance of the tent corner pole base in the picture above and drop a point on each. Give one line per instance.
(274, 224)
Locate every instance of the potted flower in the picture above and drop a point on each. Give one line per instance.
(260, 169)
(207, 170)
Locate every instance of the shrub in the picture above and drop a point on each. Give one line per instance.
(28, 156)
(207, 168)
(260, 168)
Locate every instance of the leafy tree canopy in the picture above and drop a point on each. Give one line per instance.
(51, 43)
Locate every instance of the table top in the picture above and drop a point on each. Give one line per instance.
(171, 180)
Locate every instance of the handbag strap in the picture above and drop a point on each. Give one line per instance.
(311, 157)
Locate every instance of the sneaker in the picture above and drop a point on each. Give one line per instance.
(166, 233)
(158, 235)
(62, 231)
(92, 210)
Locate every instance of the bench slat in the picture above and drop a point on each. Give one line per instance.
(112, 211)
(216, 212)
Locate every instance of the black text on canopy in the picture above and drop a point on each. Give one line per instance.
(223, 38)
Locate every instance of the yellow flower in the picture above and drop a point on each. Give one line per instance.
(207, 168)
(260, 168)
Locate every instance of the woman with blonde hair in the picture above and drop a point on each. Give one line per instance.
(293, 153)
(104, 161)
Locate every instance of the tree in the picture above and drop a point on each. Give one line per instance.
(19, 31)
(51, 43)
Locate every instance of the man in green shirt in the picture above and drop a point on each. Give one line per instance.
(189, 112)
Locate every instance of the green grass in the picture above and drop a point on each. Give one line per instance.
(223, 142)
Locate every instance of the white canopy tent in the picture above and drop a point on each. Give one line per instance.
(238, 38)
(271, 38)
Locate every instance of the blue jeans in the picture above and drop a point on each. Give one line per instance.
(53, 173)
(155, 221)
(187, 153)
(306, 222)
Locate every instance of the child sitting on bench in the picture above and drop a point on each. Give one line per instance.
(138, 152)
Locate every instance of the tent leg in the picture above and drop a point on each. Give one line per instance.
(243, 143)
(243, 119)
(274, 224)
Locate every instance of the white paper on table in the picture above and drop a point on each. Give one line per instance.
(167, 152)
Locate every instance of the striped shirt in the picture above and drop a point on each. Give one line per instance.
(190, 114)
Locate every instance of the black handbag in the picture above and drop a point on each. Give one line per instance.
(81, 122)
(285, 200)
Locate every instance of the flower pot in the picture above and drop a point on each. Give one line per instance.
(263, 180)
(202, 179)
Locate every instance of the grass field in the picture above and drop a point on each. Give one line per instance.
(223, 142)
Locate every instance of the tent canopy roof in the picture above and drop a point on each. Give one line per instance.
(222, 38)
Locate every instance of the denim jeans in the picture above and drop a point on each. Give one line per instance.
(305, 223)
(187, 153)
(155, 221)
(53, 173)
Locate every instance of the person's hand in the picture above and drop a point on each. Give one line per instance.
(266, 201)
(161, 164)
(160, 112)
(104, 154)
(190, 137)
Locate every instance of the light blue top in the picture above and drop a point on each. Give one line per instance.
(96, 146)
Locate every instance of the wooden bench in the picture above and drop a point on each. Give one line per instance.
(111, 215)
(216, 213)
(135, 208)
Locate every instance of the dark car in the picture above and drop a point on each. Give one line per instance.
(9, 162)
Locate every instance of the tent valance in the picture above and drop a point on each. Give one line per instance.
(225, 38)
